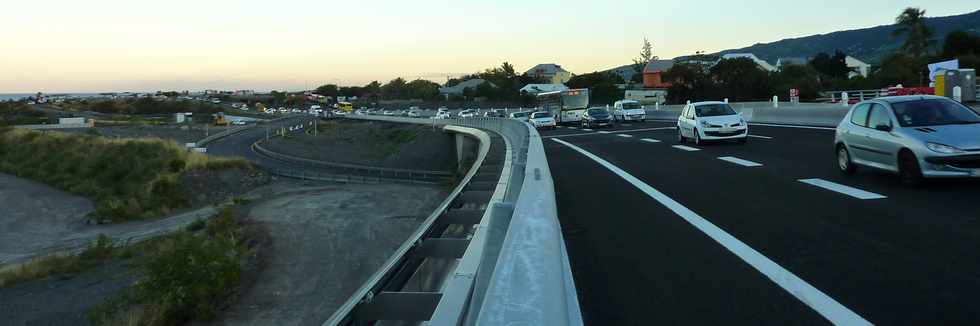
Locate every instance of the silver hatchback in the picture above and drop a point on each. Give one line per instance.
(915, 136)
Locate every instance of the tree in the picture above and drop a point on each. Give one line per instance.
(602, 86)
(689, 82)
(741, 79)
(960, 43)
(328, 90)
(646, 54)
(832, 67)
(394, 89)
(918, 35)
(800, 77)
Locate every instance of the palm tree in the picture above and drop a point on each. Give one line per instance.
(912, 24)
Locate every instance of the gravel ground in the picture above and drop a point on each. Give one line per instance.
(324, 242)
(62, 301)
(371, 143)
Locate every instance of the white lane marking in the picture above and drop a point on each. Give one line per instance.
(624, 135)
(732, 159)
(763, 137)
(606, 132)
(650, 140)
(836, 187)
(603, 132)
(791, 126)
(820, 302)
(570, 135)
(561, 126)
(686, 148)
(586, 129)
(572, 127)
(644, 129)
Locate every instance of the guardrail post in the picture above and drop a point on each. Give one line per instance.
(775, 101)
(843, 98)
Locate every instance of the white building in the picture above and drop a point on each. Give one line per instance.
(550, 73)
(858, 67)
(783, 62)
(762, 63)
(535, 89)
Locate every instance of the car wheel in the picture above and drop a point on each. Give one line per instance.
(908, 169)
(697, 138)
(680, 136)
(844, 160)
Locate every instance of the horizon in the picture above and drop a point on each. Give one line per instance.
(120, 47)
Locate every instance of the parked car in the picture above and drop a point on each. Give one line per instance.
(238, 122)
(522, 116)
(629, 110)
(542, 120)
(496, 113)
(596, 117)
(915, 136)
(703, 121)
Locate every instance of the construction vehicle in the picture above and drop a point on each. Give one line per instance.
(219, 119)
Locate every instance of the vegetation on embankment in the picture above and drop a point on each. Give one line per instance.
(187, 276)
(126, 178)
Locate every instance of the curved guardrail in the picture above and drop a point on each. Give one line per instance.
(514, 269)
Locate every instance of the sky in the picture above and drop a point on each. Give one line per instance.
(137, 45)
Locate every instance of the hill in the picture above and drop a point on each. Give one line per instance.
(867, 44)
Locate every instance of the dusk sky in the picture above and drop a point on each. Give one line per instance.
(136, 45)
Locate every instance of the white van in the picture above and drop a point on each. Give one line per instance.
(629, 110)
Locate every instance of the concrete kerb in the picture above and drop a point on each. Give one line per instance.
(811, 114)
(365, 292)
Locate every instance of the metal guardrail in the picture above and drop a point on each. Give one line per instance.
(378, 175)
(518, 235)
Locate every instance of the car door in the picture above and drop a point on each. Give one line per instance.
(855, 136)
(883, 145)
(682, 121)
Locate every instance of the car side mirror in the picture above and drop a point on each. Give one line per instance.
(884, 127)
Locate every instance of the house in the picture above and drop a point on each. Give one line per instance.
(535, 89)
(653, 73)
(858, 67)
(762, 63)
(550, 73)
(458, 89)
(783, 62)
(625, 72)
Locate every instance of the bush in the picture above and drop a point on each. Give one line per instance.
(126, 178)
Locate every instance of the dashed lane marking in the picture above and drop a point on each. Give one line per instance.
(686, 148)
(839, 188)
(732, 159)
(823, 304)
(757, 136)
(624, 135)
(650, 140)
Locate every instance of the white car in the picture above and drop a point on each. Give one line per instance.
(629, 110)
(443, 115)
(388, 112)
(522, 116)
(468, 113)
(704, 121)
(414, 113)
(542, 120)
(361, 112)
(238, 122)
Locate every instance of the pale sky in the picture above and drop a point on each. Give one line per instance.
(138, 45)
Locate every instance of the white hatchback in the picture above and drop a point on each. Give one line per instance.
(542, 120)
(704, 121)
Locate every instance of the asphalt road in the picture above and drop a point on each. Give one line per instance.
(651, 248)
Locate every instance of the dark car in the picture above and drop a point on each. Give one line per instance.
(596, 117)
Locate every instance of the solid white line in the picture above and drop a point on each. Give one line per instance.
(570, 135)
(820, 302)
(763, 137)
(572, 127)
(586, 129)
(603, 132)
(650, 140)
(791, 126)
(739, 161)
(850, 191)
(624, 135)
(686, 148)
(644, 129)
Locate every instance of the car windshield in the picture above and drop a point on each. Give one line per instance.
(541, 115)
(714, 110)
(597, 111)
(631, 106)
(933, 112)
(520, 115)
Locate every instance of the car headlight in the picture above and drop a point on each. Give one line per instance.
(943, 149)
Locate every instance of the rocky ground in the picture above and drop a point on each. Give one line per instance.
(372, 143)
(323, 243)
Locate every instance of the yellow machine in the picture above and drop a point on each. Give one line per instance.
(345, 106)
(940, 85)
(219, 119)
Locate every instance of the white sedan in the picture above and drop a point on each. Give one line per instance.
(703, 121)
(543, 120)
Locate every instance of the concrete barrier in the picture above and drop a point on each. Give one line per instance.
(808, 114)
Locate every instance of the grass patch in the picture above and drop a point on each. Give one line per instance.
(62, 265)
(387, 142)
(188, 276)
(126, 178)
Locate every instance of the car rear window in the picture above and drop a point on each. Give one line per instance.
(541, 115)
